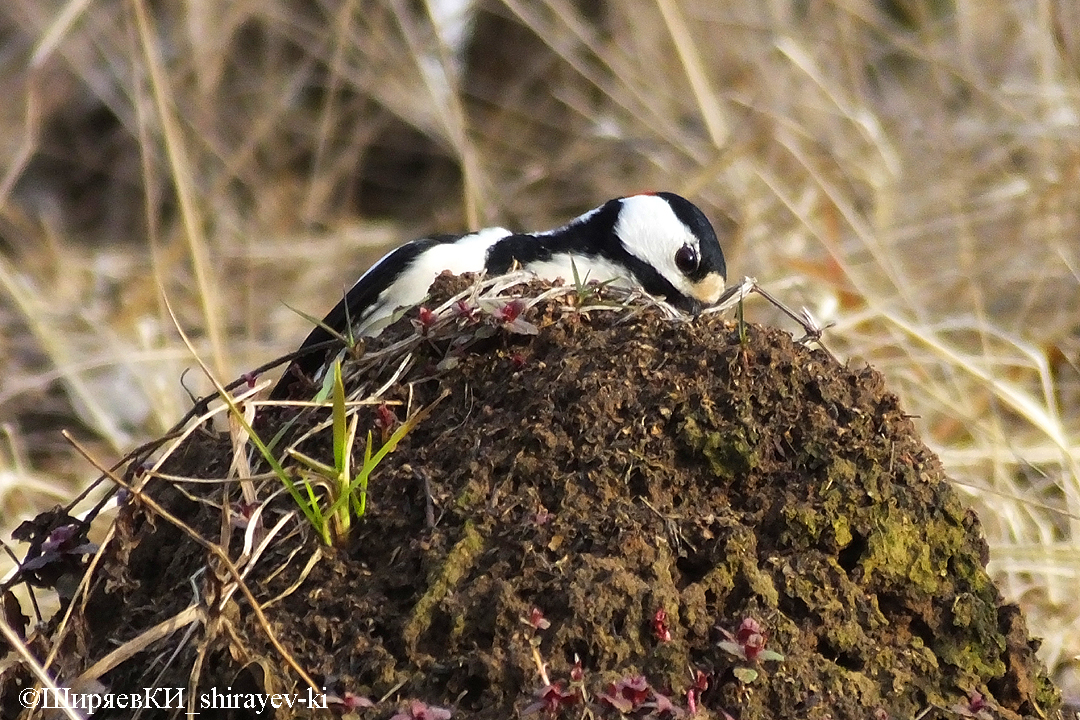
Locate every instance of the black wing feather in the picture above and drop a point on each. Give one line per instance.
(353, 309)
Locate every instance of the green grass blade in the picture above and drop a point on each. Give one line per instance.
(338, 409)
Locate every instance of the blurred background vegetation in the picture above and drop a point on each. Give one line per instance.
(906, 169)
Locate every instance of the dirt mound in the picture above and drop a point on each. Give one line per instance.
(658, 511)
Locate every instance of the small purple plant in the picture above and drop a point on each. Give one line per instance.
(510, 317)
(660, 626)
(536, 620)
(425, 320)
(553, 698)
(465, 311)
(748, 644)
(627, 694)
(347, 703)
(422, 711)
(975, 707)
(385, 421)
(700, 685)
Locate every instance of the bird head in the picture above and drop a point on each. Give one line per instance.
(673, 249)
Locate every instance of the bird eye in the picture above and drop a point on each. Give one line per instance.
(686, 259)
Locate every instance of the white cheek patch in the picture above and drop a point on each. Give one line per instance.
(650, 231)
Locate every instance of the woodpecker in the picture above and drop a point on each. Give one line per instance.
(658, 242)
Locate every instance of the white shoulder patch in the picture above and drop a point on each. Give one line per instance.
(466, 254)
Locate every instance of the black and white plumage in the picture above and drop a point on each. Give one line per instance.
(659, 242)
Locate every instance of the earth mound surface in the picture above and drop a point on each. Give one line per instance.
(642, 515)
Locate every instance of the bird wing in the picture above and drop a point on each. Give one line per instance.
(355, 307)
(400, 278)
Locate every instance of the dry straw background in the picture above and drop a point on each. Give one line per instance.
(906, 169)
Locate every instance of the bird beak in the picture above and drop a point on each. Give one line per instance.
(707, 290)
